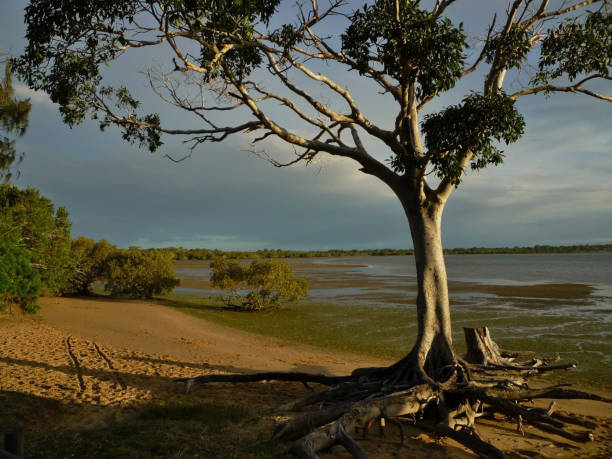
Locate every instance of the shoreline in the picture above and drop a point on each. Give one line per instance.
(103, 359)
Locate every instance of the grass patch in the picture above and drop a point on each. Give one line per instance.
(155, 430)
(342, 327)
(213, 415)
(350, 328)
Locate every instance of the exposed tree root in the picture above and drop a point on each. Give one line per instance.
(304, 378)
(487, 383)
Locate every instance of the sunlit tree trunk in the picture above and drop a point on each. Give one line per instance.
(432, 354)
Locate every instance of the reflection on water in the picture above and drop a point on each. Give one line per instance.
(554, 303)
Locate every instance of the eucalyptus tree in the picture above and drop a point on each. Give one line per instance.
(413, 52)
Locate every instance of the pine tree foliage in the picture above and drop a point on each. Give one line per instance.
(36, 244)
(13, 121)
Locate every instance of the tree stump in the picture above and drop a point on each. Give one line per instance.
(481, 349)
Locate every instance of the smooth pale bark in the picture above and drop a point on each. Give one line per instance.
(434, 346)
(433, 353)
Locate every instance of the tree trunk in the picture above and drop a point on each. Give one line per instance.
(433, 352)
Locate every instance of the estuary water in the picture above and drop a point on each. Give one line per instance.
(556, 304)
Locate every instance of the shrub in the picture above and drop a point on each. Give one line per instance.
(272, 282)
(20, 284)
(135, 273)
(35, 254)
(89, 258)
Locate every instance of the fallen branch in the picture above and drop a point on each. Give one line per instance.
(255, 377)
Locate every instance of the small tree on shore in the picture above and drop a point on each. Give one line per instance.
(411, 51)
(20, 284)
(89, 258)
(136, 273)
(42, 231)
(272, 283)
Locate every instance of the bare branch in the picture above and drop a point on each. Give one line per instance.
(482, 53)
(369, 164)
(571, 88)
(327, 52)
(496, 75)
(529, 22)
(213, 134)
(569, 9)
(447, 185)
(320, 107)
(291, 105)
(441, 5)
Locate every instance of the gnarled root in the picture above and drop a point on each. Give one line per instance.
(361, 413)
(488, 383)
(304, 378)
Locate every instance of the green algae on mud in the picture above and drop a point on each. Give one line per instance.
(388, 332)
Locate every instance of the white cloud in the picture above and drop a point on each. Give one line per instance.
(38, 98)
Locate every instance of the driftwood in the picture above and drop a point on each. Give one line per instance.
(304, 378)
(487, 382)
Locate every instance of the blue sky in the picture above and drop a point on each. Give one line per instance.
(554, 187)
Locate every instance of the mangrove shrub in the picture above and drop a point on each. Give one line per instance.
(135, 273)
(271, 282)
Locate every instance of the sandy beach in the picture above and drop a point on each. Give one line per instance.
(105, 357)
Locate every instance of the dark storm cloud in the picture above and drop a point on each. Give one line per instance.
(553, 188)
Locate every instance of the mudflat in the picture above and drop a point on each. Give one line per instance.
(105, 358)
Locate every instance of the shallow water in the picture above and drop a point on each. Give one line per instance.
(552, 303)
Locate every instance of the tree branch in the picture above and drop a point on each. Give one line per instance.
(577, 88)
(356, 115)
(569, 9)
(483, 52)
(441, 5)
(496, 75)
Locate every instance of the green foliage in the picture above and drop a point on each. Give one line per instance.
(76, 74)
(415, 54)
(147, 134)
(13, 120)
(511, 49)
(89, 258)
(70, 40)
(272, 282)
(135, 273)
(575, 48)
(179, 253)
(430, 47)
(228, 275)
(19, 283)
(471, 126)
(44, 234)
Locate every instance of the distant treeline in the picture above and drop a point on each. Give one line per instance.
(180, 253)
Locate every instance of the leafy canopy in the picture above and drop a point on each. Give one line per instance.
(576, 48)
(89, 258)
(19, 283)
(136, 273)
(272, 282)
(413, 45)
(413, 51)
(43, 232)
